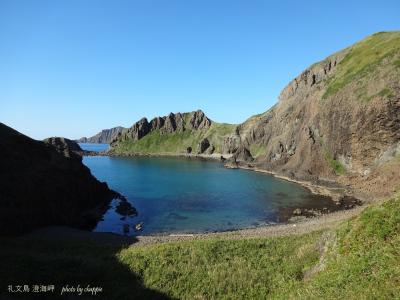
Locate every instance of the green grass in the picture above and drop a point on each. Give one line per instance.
(361, 261)
(257, 150)
(175, 143)
(365, 263)
(334, 164)
(155, 142)
(224, 269)
(362, 60)
(386, 93)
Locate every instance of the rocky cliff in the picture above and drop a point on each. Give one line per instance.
(106, 136)
(45, 183)
(176, 133)
(337, 121)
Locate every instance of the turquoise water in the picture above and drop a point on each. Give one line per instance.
(178, 195)
(94, 147)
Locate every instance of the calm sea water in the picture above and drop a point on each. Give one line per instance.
(94, 147)
(177, 195)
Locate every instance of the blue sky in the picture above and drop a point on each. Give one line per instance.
(71, 68)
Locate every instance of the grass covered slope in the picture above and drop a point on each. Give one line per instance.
(375, 58)
(177, 142)
(360, 260)
(365, 262)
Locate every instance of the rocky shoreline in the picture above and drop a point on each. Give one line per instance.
(298, 227)
(343, 197)
(327, 221)
(335, 191)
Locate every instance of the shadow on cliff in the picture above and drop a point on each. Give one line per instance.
(70, 259)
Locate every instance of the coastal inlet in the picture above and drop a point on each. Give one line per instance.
(178, 195)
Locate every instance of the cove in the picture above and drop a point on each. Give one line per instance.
(181, 195)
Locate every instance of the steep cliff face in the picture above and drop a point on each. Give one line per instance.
(173, 134)
(106, 136)
(336, 120)
(45, 183)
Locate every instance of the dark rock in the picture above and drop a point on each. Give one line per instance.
(189, 150)
(203, 145)
(41, 186)
(124, 208)
(210, 150)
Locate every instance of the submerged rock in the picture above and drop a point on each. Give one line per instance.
(124, 208)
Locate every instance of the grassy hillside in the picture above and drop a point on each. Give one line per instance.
(175, 143)
(359, 260)
(375, 57)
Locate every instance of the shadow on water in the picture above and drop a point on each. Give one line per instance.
(75, 258)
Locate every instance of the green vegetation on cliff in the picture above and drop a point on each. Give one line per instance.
(358, 260)
(177, 142)
(381, 50)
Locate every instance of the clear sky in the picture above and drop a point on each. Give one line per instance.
(71, 68)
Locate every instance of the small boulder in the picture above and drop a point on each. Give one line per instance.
(297, 212)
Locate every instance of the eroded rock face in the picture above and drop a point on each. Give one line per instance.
(157, 123)
(199, 121)
(231, 144)
(41, 185)
(314, 133)
(138, 130)
(166, 125)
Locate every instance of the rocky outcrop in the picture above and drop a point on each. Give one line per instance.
(46, 184)
(334, 121)
(106, 136)
(188, 132)
(137, 131)
(199, 121)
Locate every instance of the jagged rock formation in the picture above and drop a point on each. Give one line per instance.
(106, 136)
(175, 133)
(46, 184)
(166, 125)
(335, 120)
